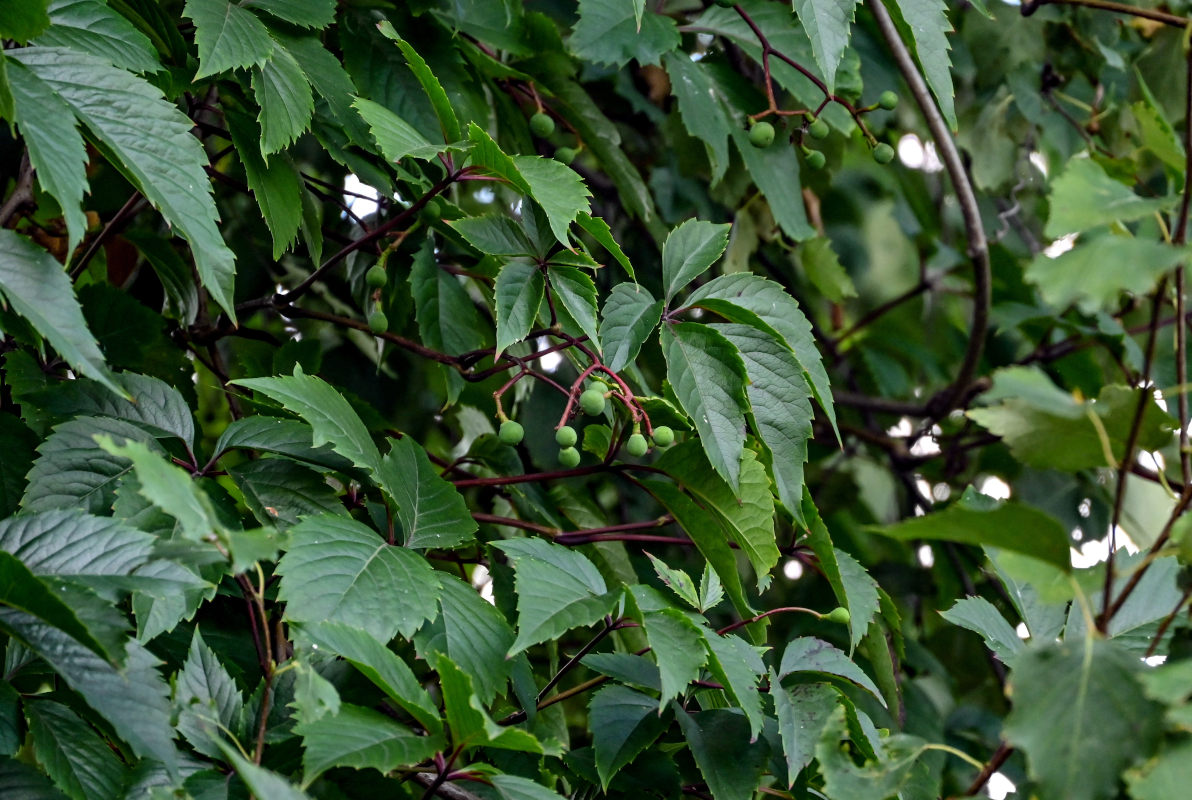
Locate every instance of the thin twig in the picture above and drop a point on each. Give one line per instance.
(22, 193)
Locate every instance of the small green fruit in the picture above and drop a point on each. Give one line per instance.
(888, 100)
(569, 457)
(376, 277)
(883, 153)
(819, 129)
(761, 135)
(816, 159)
(511, 432)
(839, 614)
(378, 323)
(592, 402)
(566, 436)
(663, 436)
(566, 155)
(541, 125)
(637, 446)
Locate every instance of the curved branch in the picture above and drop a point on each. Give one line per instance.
(978, 246)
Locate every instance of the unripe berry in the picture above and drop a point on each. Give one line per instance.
(378, 323)
(663, 436)
(839, 614)
(511, 432)
(888, 100)
(592, 402)
(637, 446)
(376, 277)
(883, 153)
(566, 436)
(761, 135)
(566, 155)
(569, 457)
(541, 125)
(816, 159)
(819, 129)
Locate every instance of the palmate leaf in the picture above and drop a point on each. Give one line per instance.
(629, 316)
(90, 26)
(287, 437)
(828, 24)
(576, 292)
(598, 229)
(708, 377)
(21, 20)
(557, 589)
(80, 763)
(72, 544)
(737, 666)
(118, 109)
(614, 32)
(495, 234)
(431, 511)
(227, 35)
(260, 781)
(153, 404)
(624, 723)
(338, 570)
(558, 189)
(878, 778)
(34, 285)
(678, 650)
(280, 492)
(360, 738)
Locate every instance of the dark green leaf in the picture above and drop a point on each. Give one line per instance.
(280, 492)
(431, 511)
(494, 234)
(927, 21)
(729, 761)
(396, 137)
(689, 251)
(228, 37)
(828, 24)
(275, 184)
(611, 32)
(90, 26)
(360, 738)
(470, 724)
(283, 93)
(802, 711)
(430, 84)
(208, 700)
(624, 723)
(808, 654)
(81, 763)
(23, 19)
(852, 585)
(520, 289)
(303, 13)
(629, 316)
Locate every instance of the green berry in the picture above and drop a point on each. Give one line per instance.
(378, 323)
(888, 100)
(592, 402)
(566, 155)
(511, 432)
(839, 614)
(569, 457)
(566, 436)
(663, 436)
(376, 277)
(816, 159)
(637, 446)
(761, 135)
(883, 153)
(819, 129)
(541, 125)
(432, 211)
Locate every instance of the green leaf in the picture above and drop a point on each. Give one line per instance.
(443, 108)
(208, 700)
(56, 151)
(276, 185)
(377, 663)
(688, 252)
(22, 20)
(360, 738)
(851, 584)
(447, 318)
(828, 24)
(153, 404)
(16, 442)
(737, 666)
(613, 32)
(280, 492)
(470, 724)
(283, 93)
(22, 782)
(476, 637)
(285, 437)
(134, 698)
(766, 301)
(1163, 777)
(623, 724)
(678, 581)
(709, 379)
(515, 787)
(23, 591)
(303, 13)
(72, 471)
(878, 778)
(629, 316)
(168, 487)
(494, 234)
(703, 115)
(260, 781)
(396, 137)
(775, 170)
(519, 291)
(778, 395)
(747, 516)
(1084, 196)
(1093, 275)
(327, 412)
(729, 761)
(35, 287)
(598, 229)
(80, 763)
(576, 292)
(928, 23)
(71, 544)
(432, 512)
(678, 650)
(823, 268)
(167, 166)
(980, 616)
(10, 721)
(709, 539)
(802, 712)
(1080, 716)
(90, 26)
(558, 189)
(337, 570)
(557, 589)
(808, 654)
(228, 36)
